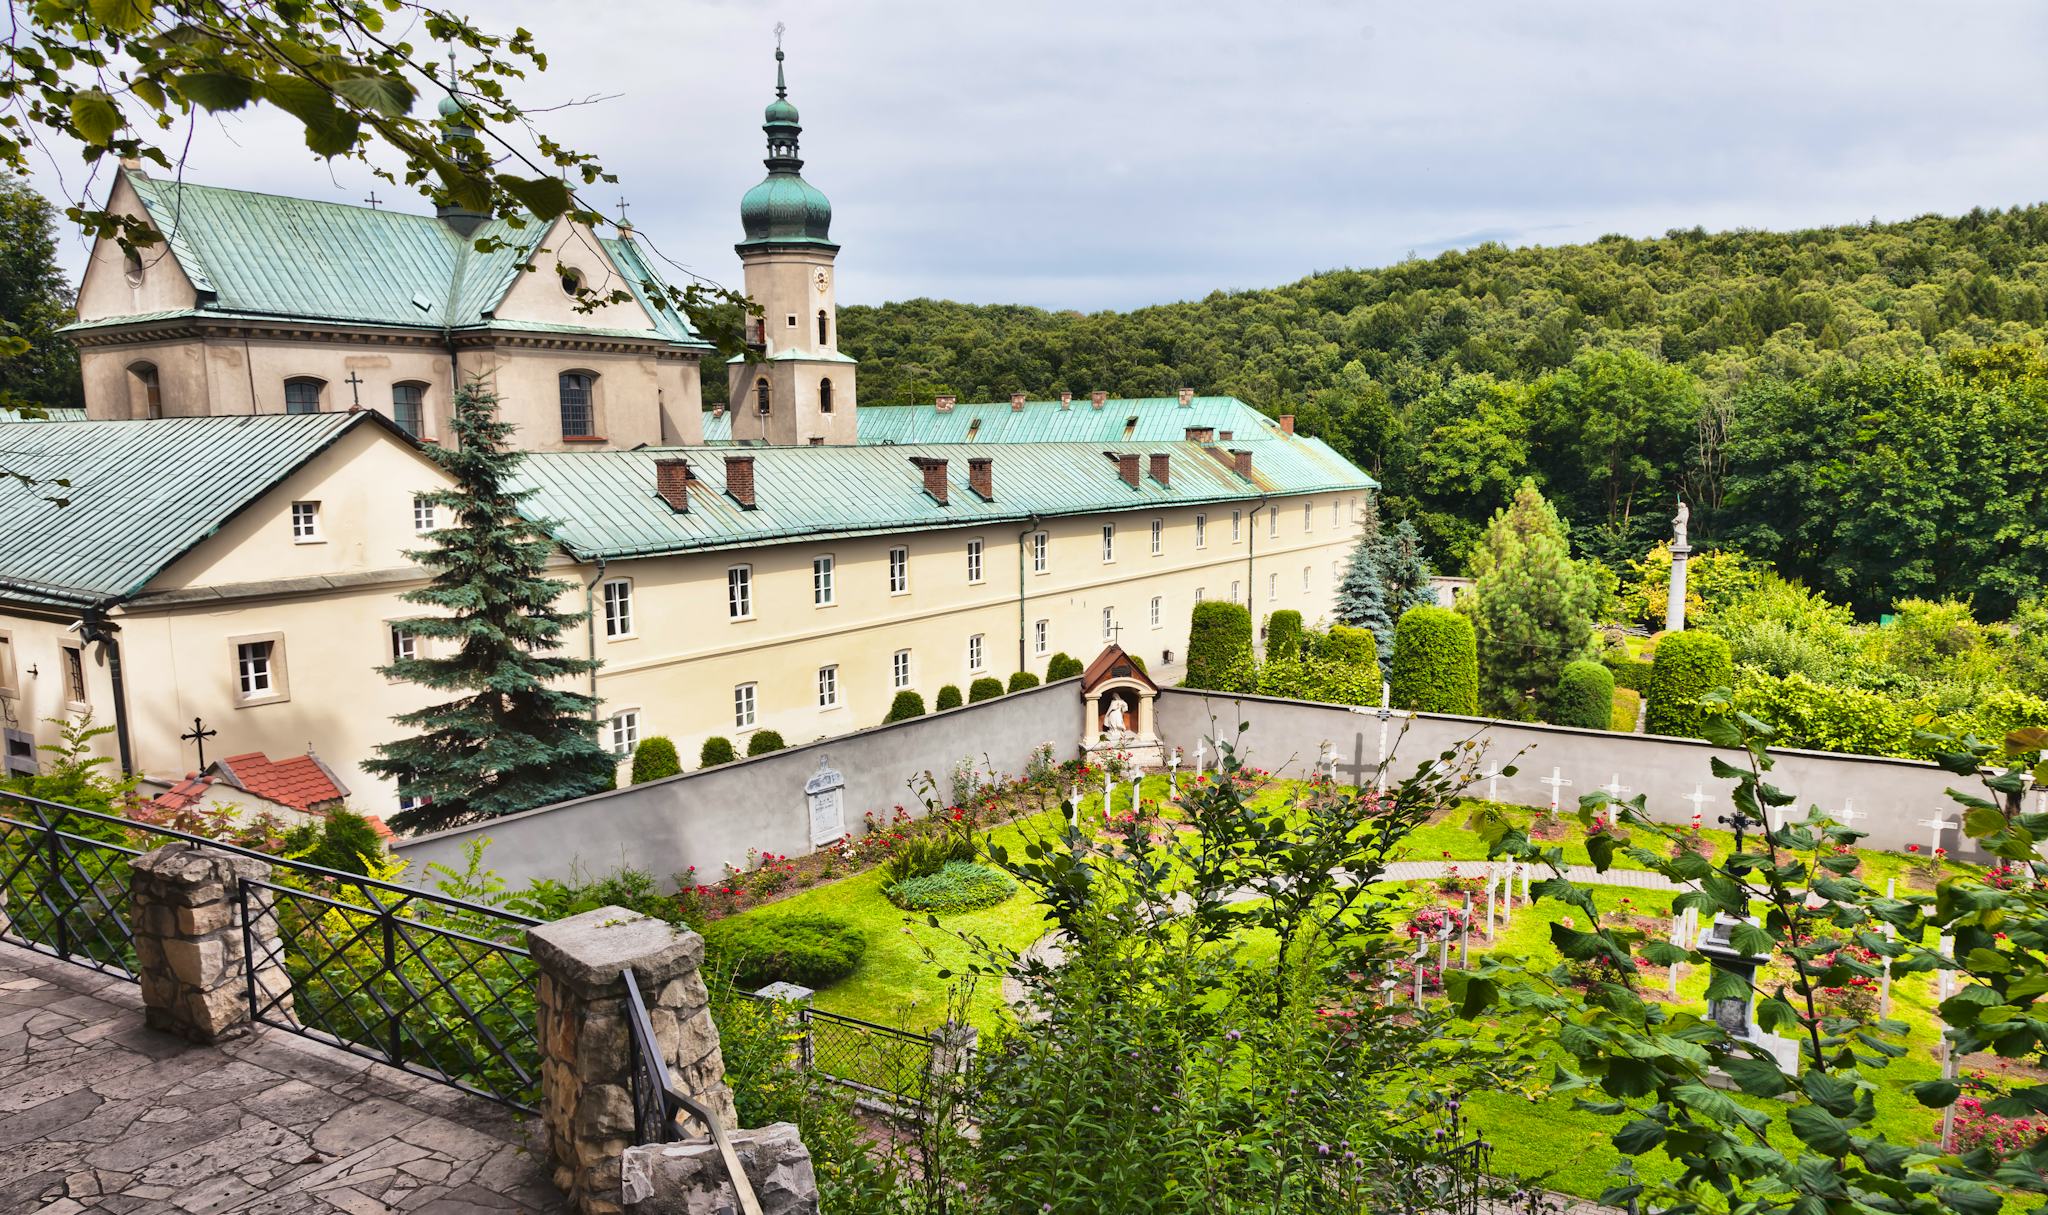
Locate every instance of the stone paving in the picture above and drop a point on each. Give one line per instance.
(99, 1113)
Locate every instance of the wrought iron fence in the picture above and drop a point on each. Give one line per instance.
(889, 1065)
(657, 1104)
(64, 881)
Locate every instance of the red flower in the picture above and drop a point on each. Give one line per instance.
(1912, 847)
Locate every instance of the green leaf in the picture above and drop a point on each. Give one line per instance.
(1752, 939)
(121, 16)
(1819, 1130)
(330, 131)
(1600, 848)
(95, 116)
(1638, 1137)
(1935, 1094)
(387, 95)
(1981, 822)
(546, 197)
(1756, 1077)
(215, 91)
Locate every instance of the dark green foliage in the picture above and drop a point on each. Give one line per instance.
(1531, 606)
(716, 750)
(655, 758)
(35, 299)
(1022, 680)
(633, 889)
(1348, 646)
(515, 736)
(908, 704)
(1436, 662)
(761, 742)
(1284, 639)
(988, 687)
(1136, 661)
(1062, 666)
(342, 840)
(1688, 666)
(1386, 575)
(813, 950)
(1585, 696)
(1220, 647)
(957, 886)
(949, 698)
(920, 855)
(1630, 673)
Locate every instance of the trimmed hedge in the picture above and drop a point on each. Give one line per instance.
(1219, 645)
(655, 758)
(1351, 647)
(1022, 680)
(715, 751)
(1631, 673)
(813, 950)
(764, 741)
(957, 886)
(1628, 705)
(1585, 696)
(908, 704)
(1062, 666)
(988, 687)
(1689, 665)
(1436, 662)
(949, 698)
(1283, 635)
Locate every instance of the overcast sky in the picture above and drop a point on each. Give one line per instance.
(1110, 154)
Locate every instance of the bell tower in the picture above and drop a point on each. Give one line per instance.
(792, 387)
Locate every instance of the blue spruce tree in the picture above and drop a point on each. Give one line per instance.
(1362, 595)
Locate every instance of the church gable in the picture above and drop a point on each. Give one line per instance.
(154, 280)
(568, 255)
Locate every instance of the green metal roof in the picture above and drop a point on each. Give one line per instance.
(604, 503)
(1159, 420)
(142, 494)
(265, 256)
(51, 413)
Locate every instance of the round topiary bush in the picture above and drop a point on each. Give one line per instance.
(957, 886)
(655, 758)
(948, 698)
(907, 705)
(764, 741)
(755, 950)
(988, 687)
(1283, 635)
(1219, 646)
(1689, 665)
(1022, 680)
(1062, 666)
(716, 750)
(1351, 647)
(1436, 662)
(1585, 696)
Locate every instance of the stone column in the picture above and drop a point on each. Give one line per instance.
(1674, 608)
(190, 950)
(586, 1048)
(1146, 728)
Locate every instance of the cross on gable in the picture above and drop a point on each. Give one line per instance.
(355, 384)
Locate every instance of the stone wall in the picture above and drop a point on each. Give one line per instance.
(191, 953)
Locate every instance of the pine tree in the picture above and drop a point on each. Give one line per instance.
(1531, 607)
(1362, 595)
(1404, 570)
(515, 738)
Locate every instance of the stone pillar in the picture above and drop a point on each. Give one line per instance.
(586, 1048)
(185, 908)
(1674, 607)
(1146, 728)
(690, 1178)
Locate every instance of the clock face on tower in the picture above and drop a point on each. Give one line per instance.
(823, 278)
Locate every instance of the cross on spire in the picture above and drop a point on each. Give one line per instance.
(622, 211)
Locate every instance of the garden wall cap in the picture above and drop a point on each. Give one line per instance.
(786, 991)
(588, 951)
(186, 865)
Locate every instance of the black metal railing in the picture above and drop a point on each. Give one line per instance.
(64, 881)
(658, 1105)
(890, 1066)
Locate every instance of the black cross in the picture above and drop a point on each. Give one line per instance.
(1740, 823)
(622, 210)
(373, 200)
(1116, 633)
(354, 382)
(197, 737)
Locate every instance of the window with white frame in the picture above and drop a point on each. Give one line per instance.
(1201, 593)
(618, 607)
(1109, 542)
(1041, 637)
(624, 731)
(1234, 589)
(974, 561)
(739, 592)
(1308, 516)
(1201, 531)
(828, 687)
(822, 592)
(305, 522)
(255, 672)
(899, 571)
(405, 644)
(1158, 531)
(1156, 604)
(899, 670)
(1272, 586)
(743, 706)
(1038, 554)
(422, 514)
(1305, 575)
(1109, 624)
(1272, 522)
(406, 799)
(1236, 526)
(976, 658)
(74, 675)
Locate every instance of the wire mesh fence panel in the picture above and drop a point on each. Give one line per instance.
(877, 1059)
(65, 883)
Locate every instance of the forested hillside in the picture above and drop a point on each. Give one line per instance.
(1798, 387)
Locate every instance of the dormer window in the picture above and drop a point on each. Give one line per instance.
(761, 396)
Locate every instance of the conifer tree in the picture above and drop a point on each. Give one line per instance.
(1404, 570)
(1362, 595)
(1531, 607)
(514, 737)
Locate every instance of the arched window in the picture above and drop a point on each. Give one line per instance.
(825, 395)
(146, 392)
(578, 415)
(761, 396)
(824, 329)
(302, 394)
(409, 407)
(132, 265)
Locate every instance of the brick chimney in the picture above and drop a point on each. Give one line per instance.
(1127, 468)
(1161, 468)
(1286, 423)
(672, 482)
(1095, 399)
(1201, 434)
(1016, 402)
(1066, 400)
(739, 480)
(934, 477)
(1187, 397)
(981, 477)
(945, 402)
(1241, 460)
(1226, 436)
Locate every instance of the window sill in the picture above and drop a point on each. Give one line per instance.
(309, 539)
(830, 708)
(585, 439)
(741, 619)
(821, 606)
(609, 637)
(252, 702)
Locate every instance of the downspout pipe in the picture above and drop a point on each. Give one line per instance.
(94, 627)
(1030, 527)
(590, 630)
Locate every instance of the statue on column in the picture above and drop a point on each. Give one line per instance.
(1678, 523)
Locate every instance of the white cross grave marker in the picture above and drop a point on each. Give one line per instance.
(1849, 813)
(1201, 753)
(1698, 797)
(1556, 781)
(1172, 776)
(1937, 825)
(1108, 790)
(1614, 788)
(1492, 784)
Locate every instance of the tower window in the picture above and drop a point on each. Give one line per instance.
(761, 396)
(825, 395)
(824, 329)
(302, 394)
(578, 420)
(792, 320)
(149, 389)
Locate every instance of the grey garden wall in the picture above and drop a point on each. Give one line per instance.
(710, 817)
(1890, 796)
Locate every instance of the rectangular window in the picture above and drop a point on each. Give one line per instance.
(1201, 593)
(975, 659)
(1273, 522)
(1109, 624)
(974, 561)
(899, 571)
(1308, 516)
(409, 407)
(739, 592)
(1305, 576)
(7, 685)
(822, 594)
(618, 607)
(1201, 531)
(1272, 586)
(422, 514)
(828, 687)
(305, 522)
(743, 706)
(1236, 526)
(625, 731)
(1336, 514)
(899, 670)
(1158, 529)
(1155, 611)
(405, 645)
(1235, 587)
(1040, 638)
(253, 671)
(1038, 545)
(1109, 542)
(74, 675)
(406, 800)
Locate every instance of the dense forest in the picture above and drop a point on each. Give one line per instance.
(1861, 407)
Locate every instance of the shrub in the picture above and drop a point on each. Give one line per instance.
(1022, 680)
(1283, 635)
(655, 758)
(988, 687)
(1351, 647)
(716, 750)
(1585, 696)
(923, 855)
(957, 886)
(814, 950)
(1436, 662)
(949, 698)
(1689, 665)
(764, 741)
(342, 840)
(1062, 666)
(1628, 706)
(1137, 661)
(1630, 673)
(908, 704)
(1219, 646)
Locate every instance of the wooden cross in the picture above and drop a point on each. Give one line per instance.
(197, 736)
(1556, 781)
(355, 384)
(1201, 753)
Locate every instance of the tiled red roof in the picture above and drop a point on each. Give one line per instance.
(300, 781)
(183, 794)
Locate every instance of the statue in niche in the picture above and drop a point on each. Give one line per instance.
(1114, 720)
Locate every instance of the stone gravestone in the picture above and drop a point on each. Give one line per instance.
(1733, 1013)
(826, 793)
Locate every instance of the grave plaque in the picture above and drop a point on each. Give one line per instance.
(826, 792)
